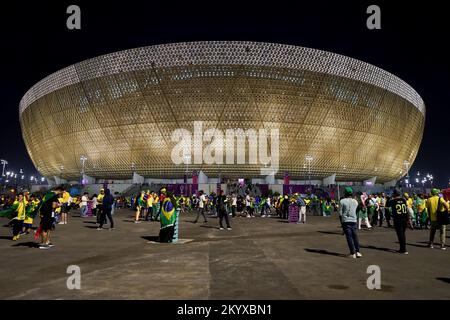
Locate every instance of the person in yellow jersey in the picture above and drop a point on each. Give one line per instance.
(437, 209)
(20, 206)
(155, 206)
(149, 206)
(409, 206)
(100, 197)
(33, 203)
(65, 203)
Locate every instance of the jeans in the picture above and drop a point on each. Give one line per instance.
(382, 216)
(351, 236)
(233, 211)
(434, 227)
(201, 211)
(302, 217)
(106, 212)
(100, 214)
(223, 214)
(400, 228)
(83, 211)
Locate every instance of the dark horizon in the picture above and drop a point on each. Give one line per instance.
(410, 45)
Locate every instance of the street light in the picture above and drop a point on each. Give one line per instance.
(406, 164)
(4, 163)
(187, 160)
(309, 159)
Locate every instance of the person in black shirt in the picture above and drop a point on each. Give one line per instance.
(399, 212)
(47, 214)
(221, 209)
(108, 202)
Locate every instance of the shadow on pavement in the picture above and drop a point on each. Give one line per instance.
(151, 238)
(378, 248)
(29, 244)
(330, 232)
(322, 251)
(418, 245)
(91, 222)
(446, 280)
(91, 227)
(5, 237)
(209, 227)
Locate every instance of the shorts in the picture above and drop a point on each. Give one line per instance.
(28, 225)
(64, 208)
(47, 223)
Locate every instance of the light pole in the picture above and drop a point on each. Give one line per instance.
(82, 159)
(309, 159)
(4, 163)
(60, 173)
(406, 164)
(187, 160)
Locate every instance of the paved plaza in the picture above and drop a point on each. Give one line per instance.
(261, 258)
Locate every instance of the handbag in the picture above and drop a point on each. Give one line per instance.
(443, 218)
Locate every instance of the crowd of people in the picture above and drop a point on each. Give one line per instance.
(429, 212)
(398, 210)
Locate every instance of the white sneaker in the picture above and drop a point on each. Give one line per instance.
(352, 256)
(61, 222)
(229, 229)
(221, 228)
(358, 255)
(443, 248)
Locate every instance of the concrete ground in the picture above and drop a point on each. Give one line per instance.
(261, 258)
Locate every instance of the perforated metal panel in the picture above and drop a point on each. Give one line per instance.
(355, 119)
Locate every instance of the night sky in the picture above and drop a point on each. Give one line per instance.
(411, 44)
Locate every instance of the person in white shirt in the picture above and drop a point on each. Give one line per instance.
(94, 204)
(247, 205)
(233, 204)
(201, 208)
(83, 204)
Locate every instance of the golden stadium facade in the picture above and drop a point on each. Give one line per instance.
(119, 110)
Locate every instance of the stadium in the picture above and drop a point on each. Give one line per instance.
(114, 115)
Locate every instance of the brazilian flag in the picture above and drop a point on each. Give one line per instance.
(35, 208)
(168, 213)
(32, 210)
(11, 212)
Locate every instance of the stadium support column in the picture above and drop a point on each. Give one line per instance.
(329, 180)
(391, 183)
(270, 179)
(370, 182)
(202, 178)
(137, 179)
(59, 180)
(87, 179)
